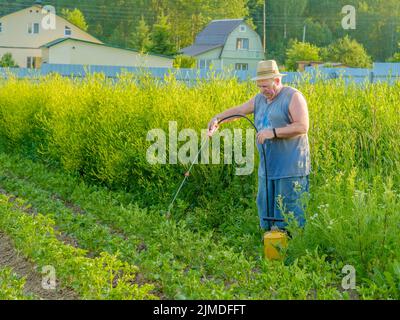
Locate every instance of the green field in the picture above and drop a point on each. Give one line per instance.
(78, 194)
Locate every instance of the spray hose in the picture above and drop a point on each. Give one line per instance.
(187, 174)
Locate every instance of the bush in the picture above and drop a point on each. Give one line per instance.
(183, 61)
(7, 61)
(301, 51)
(349, 52)
(395, 58)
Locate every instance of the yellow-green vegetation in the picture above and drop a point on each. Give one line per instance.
(105, 277)
(82, 143)
(12, 286)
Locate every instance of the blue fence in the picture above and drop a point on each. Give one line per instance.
(80, 71)
(380, 72)
(387, 72)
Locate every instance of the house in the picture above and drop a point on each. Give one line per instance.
(77, 51)
(25, 35)
(227, 43)
(22, 34)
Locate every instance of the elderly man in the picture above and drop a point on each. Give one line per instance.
(281, 117)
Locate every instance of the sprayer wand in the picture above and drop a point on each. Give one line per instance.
(209, 135)
(187, 174)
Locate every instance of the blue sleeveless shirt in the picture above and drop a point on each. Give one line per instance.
(286, 158)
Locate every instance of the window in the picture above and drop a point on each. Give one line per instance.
(204, 64)
(29, 62)
(242, 44)
(242, 28)
(33, 62)
(241, 66)
(33, 28)
(67, 31)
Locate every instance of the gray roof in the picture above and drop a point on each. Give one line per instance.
(217, 32)
(213, 36)
(57, 41)
(195, 49)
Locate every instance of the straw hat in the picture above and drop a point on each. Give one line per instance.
(267, 70)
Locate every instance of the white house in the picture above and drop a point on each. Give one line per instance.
(22, 34)
(227, 43)
(26, 36)
(77, 51)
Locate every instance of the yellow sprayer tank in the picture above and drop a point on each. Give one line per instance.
(274, 242)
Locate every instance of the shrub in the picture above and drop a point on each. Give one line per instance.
(301, 51)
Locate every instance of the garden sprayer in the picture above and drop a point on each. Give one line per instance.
(274, 239)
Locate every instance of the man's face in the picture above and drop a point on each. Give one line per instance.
(268, 87)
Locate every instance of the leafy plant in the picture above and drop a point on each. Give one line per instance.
(300, 51)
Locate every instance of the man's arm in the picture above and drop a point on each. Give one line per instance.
(244, 109)
(298, 111)
(300, 120)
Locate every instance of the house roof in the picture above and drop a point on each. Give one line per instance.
(214, 35)
(217, 32)
(60, 40)
(195, 49)
(8, 9)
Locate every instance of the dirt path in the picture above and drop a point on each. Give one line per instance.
(66, 239)
(9, 257)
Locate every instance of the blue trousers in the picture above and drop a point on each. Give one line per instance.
(286, 192)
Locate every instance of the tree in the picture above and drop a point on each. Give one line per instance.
(349, 52)
(183, 61)
(395, 58)
(97, 30)
(285, 21)
(317, 33)
(190, 17)
(76, 17)
(7, 61)
(376, 24)
(140, 39)
(120, 35)
(161, 37)
(301, 51)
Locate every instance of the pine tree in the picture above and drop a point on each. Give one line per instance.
(140, 39)
(161, 37)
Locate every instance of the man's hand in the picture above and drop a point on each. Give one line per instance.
(265, 135)
(213, 126)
